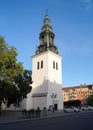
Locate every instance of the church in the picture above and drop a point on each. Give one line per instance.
(46, 73)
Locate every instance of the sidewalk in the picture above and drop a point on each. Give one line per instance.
(11, 116)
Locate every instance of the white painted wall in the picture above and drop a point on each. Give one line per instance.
(55, 80)
(46, 80)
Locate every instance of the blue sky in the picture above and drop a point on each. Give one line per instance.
(72, 23)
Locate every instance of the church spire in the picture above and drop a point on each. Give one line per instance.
(47, 37)
(46, 20)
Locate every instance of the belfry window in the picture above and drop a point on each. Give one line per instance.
(37, 65)
(41, 64)
(56, 66)
(53, 64)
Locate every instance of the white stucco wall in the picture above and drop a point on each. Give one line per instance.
(46, 80)
(40, 76)
(55, 80)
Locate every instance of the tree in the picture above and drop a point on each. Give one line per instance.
(9, 67)
(12, 76)
(90, 100)
(23, 86)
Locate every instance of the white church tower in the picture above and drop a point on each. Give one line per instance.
(46, 72)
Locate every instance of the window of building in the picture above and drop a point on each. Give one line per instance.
(56, 66)
(53, 64)
(41, 64)
(90, 87)
(37, 65)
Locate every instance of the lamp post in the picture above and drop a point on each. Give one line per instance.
(17, 93)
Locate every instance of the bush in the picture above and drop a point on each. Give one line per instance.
(73, 103)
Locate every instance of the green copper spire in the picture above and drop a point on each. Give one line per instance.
(47, 43)
(46, 20)
(46, 37)
(36, 49)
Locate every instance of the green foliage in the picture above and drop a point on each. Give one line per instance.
(14, 81)
(9, 67)
(22, 86)
(90, 100)
(73, 103)
(23, 82)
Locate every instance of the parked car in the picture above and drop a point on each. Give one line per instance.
(90, 107)
(84, 108)
(67, 109)
(71, 109)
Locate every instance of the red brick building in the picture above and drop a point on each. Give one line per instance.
(77, 93)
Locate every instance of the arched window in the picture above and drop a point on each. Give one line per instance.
(53, 64)
(56, 66)
(37, 65)
(41, 64)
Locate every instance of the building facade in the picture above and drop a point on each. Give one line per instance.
(77, 93)
(46, 72)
